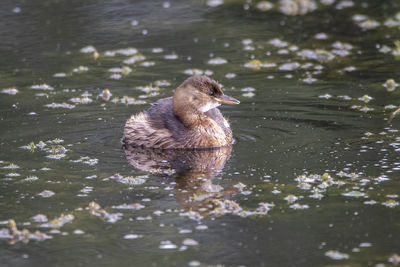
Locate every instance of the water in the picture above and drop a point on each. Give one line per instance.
(200, 208)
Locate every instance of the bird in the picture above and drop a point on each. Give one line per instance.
(189, 119)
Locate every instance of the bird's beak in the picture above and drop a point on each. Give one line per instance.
(225, 99)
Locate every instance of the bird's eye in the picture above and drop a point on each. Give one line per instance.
(211, 93)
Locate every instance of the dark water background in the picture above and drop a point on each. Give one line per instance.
(283, 129)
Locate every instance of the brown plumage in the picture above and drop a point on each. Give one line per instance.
(189, 119)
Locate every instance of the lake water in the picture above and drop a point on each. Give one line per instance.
(311, 180)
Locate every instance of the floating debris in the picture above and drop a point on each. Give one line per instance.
(363, 109)
(369, 24)
(395, 259)
(370, 202)
(147, 63)
(158, 212)
(297, 206)
(124, 70)
(86, 160)
(171, 57)
(128, 101)
(132, 236)
(248, 89)
(40, 218)
(390, 85)
(253, 64)
(201, 227)
(148, 89)
(96, 210)
(157, 50)
(13, 174)
(321, 36)
(81, 100)
(11, 166)
(384, 49)
(147, 218)
(14, 235)
(342, 46)
(291, 198)
(249, 48)
(60, 105)
(289, 66)
(354, 194)
(46, 193)
(105, 94)
(56, 156)
(344, 4)
(115, 76)
(264, 5)
(78, 232)
(222, 207)
(310, 80)
(85, 191)
(167, 245)
(59, 75)
(193, 215)
(341, 49)
(217, 61)
(198, 72)
(391, 23)
(161, 83)
(316, 195)
(365, 245)
(189, 242)
(359, 17)
(350, 69)
(247, 41)
(325, 96)
(215, 3)
(134, 206)
(336, 255)
(80, 69)
(278, 43)
(365, 98)
(256, 64)
(194, 263)
(390, 203)
(124, 52)
(185, 231)
(42, 87)
(230, 75)
(88, 49)
(249, 94)
(318, 54)
(129, 179)
(55, 152)
(58, 222)
(134, 59)
(10, 91)
(297, 7)
(91, 177)
(381, 179)
(31, 178)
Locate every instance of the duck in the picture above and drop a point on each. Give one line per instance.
(189, 119)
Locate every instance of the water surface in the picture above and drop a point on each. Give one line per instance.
(311, 179)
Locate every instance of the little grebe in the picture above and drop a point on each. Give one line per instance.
(189, 119)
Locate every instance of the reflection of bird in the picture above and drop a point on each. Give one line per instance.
(189, 119)
(194, 172)
(204, 161)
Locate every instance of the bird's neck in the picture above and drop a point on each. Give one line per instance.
(190, 117)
